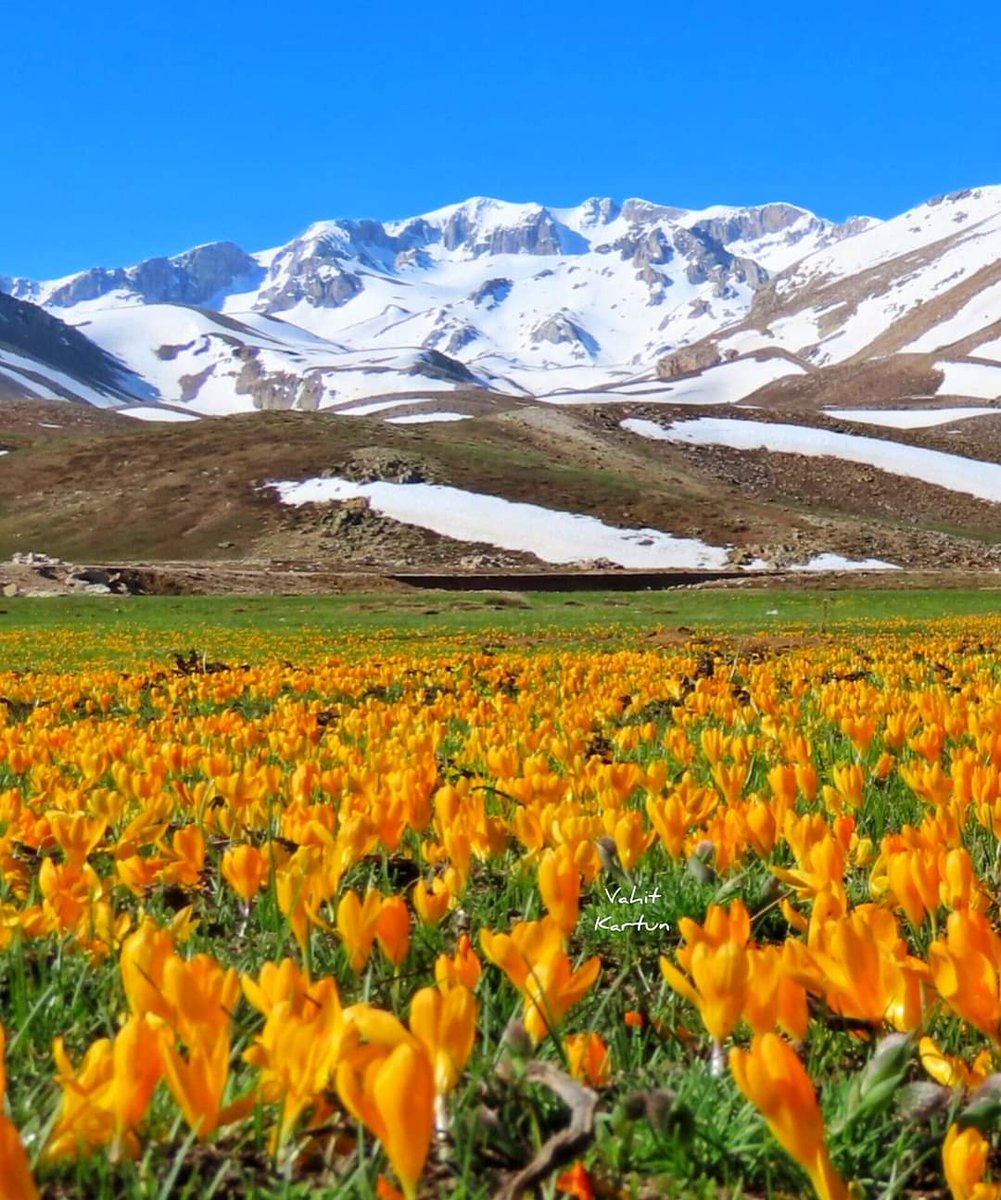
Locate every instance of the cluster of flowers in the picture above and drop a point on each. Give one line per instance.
(279, 781)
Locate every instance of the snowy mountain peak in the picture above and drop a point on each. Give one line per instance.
(196, 276)
(509, 296)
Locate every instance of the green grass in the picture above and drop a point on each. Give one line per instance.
(700, 1140)
(41, 633)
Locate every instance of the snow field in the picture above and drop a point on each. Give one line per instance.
(549, 534)
(970, 476)
(907, 418)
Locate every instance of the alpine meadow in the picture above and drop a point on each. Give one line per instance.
(500, 602)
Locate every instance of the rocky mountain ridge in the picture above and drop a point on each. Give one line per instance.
(509, 293)
(524, 301)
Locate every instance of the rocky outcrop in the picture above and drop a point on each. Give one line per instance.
(653, 249)
(743, 224)
(32, 573)
(654, 278)
(705, 259)
(414, 258)
(690, 360)
(450, 335)
(309, 269)
(538, 234)
(194, 277)
(491, 293)
(432, 364)
(561, 330)
(374, 464)
(644, 212)
(278, 390)
(709, 262)
(598, 210)
(768, 220)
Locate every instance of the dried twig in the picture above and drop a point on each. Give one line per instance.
(564, 1146)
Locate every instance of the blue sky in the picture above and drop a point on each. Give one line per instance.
(132, 129)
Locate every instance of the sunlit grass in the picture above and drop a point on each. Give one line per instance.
(816, 803)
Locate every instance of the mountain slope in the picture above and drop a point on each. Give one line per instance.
(43, 356)
(923, 289)
(675, 486)
(513, 301)
(510, 299)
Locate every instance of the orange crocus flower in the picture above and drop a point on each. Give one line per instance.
(445, 1024)
(717, 987)
(775, 994)
(772, 1077)
(966, 968)
(392, 928)
(304, 1037)
(517, 951)
(463, 968)
(77, 834)
(849, 781)
(533, 957)
(201, 996)
(16, 1180)
(589, 1058)
(952, 1072)
(108, 1095)
(719, 927)
(356, 923)
(15, 1169)
(143, 957)
(559, 883)
(277, 983)
(432, 903)
(198, 1081)
(393, 1095)
(864, 969)
(246, 870)
(577, 1182)
(964, 1158)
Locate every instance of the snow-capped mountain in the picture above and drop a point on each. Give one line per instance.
(918, 293)
(40, 355)
(512, 299)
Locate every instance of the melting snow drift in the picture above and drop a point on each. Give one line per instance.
(553, 536)
(428, 418)
(834, 562)
(952, 471)
(157, 414)
(907, 418)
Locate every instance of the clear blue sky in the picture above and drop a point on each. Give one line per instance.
(136, 128)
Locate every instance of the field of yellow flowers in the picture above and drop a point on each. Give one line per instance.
(694, 920)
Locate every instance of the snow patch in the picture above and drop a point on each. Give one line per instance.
(725, 384)
(983, 310)
(970, 379)
(834, 562)
(551, 535)
(427, 418)
(972, 476)
(907, 418)
(165, 415)
(56, 385)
